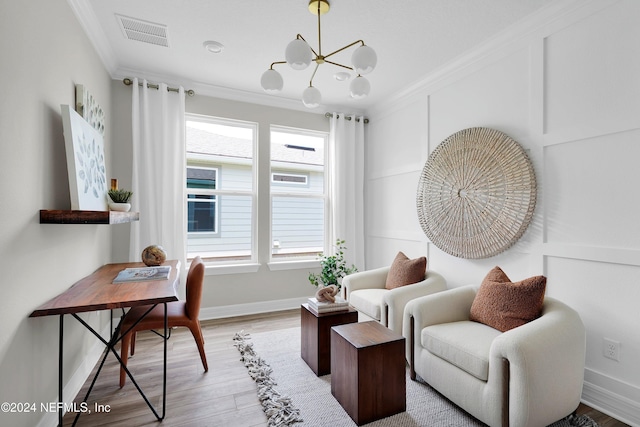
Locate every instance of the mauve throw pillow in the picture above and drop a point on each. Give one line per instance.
(504, 305)
(405, 271)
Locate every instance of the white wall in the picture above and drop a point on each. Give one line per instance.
(567, 87)
(44, 54)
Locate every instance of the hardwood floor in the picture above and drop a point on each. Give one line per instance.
(223, 397)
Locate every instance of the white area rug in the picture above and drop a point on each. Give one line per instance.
(293, 382)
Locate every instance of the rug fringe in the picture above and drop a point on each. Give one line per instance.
(581, 421)
(279, 409)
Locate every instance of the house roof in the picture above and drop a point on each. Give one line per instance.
(202, 142)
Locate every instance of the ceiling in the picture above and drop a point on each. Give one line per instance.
(412, 38)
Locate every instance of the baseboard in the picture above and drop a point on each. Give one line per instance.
(220, 312)
(77, 380)
(607, 401)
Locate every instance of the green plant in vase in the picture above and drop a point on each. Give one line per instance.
(120, 199)
(120, 195)
(333, 268)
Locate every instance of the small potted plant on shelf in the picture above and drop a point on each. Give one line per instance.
(120, 200)
(334, 268)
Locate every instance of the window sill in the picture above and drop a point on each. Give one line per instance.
(214, 270)
(293, 265)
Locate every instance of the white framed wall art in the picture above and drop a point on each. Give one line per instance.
(84, 146)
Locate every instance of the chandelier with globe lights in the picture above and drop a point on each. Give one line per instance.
(299, 55)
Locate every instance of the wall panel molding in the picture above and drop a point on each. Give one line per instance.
(592, 253)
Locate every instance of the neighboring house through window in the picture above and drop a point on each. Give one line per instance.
(222, 191)
(298, 202)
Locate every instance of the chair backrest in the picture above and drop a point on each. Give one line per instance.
(195, 278)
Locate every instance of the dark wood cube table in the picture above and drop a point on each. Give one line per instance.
(368, 375)
(315, 343)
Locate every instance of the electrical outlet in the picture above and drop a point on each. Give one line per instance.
(611, 349)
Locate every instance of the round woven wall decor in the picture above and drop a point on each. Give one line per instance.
(476, 194)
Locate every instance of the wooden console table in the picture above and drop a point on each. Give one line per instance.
(98, 292)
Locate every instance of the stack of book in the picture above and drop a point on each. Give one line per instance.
(325, 307)
(143, 274)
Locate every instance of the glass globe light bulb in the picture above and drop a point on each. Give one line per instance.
(298, 54)
(271, 81)
(364, 60)
(359, 87)
(311, 97)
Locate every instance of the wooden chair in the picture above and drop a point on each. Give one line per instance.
(179, 313)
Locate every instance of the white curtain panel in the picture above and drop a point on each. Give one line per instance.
(346, 184)
(158, 126)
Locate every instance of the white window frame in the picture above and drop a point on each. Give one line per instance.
(293, 261)
(226, 266)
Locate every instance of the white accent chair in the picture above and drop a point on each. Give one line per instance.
(366, 292)
(529, 376)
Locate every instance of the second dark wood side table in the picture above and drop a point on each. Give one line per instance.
(315, 342)
(368, 377)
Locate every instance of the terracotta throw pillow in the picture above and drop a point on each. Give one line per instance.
(504, 305)
(405, 271)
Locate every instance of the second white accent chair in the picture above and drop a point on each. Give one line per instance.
(367, 292)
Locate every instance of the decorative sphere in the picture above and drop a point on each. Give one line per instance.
(271, 81)
(298, 54)
(311, 97)
(359, 87)
(154, 255)
(364, 60)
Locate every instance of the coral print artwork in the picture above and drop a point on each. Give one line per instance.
(85, 162)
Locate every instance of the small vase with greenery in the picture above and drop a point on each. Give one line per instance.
(334, 267)
(120, 199)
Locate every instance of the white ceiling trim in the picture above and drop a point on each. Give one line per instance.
(91, 26)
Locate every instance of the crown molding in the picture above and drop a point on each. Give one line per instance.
(221, 92)
(89, 22)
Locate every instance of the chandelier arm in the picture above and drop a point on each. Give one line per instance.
(313, 75)
(345, 47)
(276, 63)
(339, 65)
(319, 35)
(299, 36)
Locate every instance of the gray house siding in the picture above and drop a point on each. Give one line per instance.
(297, 222)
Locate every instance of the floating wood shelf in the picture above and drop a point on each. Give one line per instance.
(87, 217)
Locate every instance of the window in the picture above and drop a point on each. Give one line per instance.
(298, 201)
(201, 204)
(220, 189)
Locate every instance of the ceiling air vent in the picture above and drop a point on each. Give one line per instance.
(143, 31)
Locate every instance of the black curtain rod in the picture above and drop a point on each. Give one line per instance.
(328, 115)
(129, 82)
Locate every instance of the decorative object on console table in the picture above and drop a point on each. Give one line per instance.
(334, 268)
(327, 293)
(476, 194)
(85, 162)
(154, 255)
